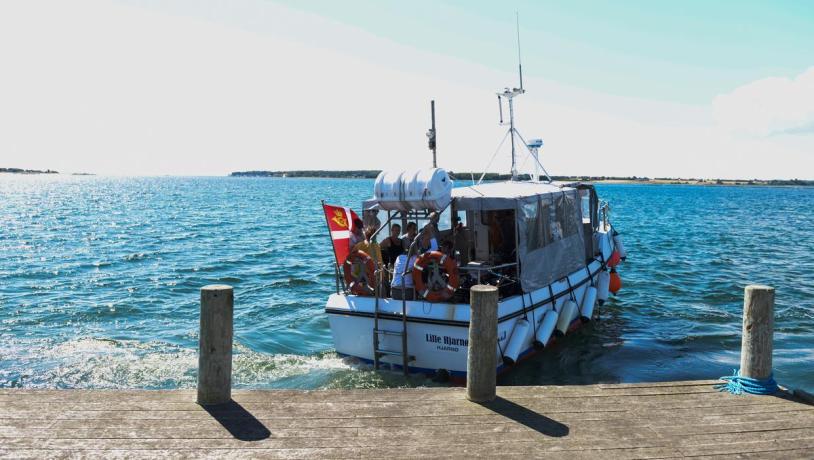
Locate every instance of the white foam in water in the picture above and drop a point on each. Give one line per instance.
(107, 363)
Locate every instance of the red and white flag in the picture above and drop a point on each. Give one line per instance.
(340, 220)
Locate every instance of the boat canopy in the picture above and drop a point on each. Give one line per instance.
(548, 219)
(501, 195)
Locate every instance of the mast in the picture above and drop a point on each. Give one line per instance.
(511, 130)
(509, 95)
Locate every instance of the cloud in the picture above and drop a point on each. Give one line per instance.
(769, 107)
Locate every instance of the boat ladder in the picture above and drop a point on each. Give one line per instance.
(390, 356)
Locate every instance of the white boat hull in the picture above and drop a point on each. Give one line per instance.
(438, 333)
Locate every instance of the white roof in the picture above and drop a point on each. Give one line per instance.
(503, 195)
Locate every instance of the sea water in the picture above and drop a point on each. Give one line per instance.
(100, 280)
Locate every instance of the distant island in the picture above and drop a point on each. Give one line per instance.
(464, 176)
(358, 174)
(26, 171)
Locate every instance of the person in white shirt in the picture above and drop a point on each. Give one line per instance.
(428, 241)
(410, 232)
(402, 285)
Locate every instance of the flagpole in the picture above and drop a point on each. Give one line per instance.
(336, 259)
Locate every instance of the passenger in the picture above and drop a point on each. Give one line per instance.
(411, 231)
(392, 246)
(402, 287)
(370, 246)
(428, 241)
(356, 233)
(457, 225)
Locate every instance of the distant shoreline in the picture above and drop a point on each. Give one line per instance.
(26, 171)
(371, 174)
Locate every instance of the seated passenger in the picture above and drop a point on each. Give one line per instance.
(457, 225)
(411, 230)
(370, 246)
(428, 241)
(356, 232)
(392, 246)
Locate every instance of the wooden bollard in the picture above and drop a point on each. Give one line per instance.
(215, 345)
(481, 365)
(758, 330)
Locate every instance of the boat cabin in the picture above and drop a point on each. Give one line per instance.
(518, 235)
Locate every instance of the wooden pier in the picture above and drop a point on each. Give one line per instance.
(651, 420)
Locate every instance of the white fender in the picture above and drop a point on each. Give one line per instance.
(617, 243)
(568, 313)
(520, 335)
(588, 302)
(547, 325)
(602, 285)
(558, 304)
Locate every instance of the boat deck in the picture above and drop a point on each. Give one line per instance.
(654, 420)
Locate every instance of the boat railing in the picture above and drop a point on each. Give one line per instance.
(489, 269)
(490, 274)
(604, 214)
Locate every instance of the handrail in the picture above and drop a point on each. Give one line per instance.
(487, 268)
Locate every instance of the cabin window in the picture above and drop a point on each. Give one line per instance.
(564, 217)
(445, 219)
(538, 225)
(463, 216)
(500, 234)
(585, 200)
(534, 230)
(545, 221)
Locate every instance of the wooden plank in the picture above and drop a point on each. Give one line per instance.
(548, 400)
(390, 394)
(653, 420)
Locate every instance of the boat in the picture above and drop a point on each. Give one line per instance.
(548, 246)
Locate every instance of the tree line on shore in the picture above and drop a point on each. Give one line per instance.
(466, 176)
(26, 171)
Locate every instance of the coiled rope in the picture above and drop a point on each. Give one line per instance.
(737, 384)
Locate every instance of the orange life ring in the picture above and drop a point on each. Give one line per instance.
(449, 266)
(362, 284)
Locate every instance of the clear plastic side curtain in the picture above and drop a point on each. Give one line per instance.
(551, 243)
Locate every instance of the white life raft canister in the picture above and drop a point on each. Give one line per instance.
(413, 189)
(520, 334)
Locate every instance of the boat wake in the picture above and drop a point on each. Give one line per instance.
(121, 364)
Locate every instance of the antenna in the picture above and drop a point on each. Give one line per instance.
(519, 63)
(431, 134)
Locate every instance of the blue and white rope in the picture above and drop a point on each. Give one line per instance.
(737, 384)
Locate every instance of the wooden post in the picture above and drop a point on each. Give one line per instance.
(481, 366)
(215, 345)
(758, 328)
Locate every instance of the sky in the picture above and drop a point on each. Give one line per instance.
(202, 87)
